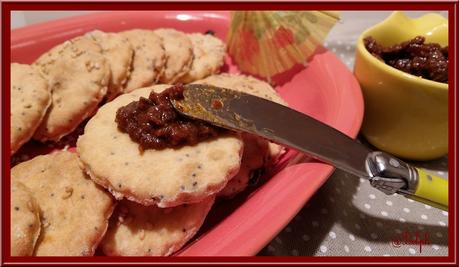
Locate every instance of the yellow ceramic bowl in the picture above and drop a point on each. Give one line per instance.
(405, 115)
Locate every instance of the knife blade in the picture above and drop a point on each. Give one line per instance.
(244, 112)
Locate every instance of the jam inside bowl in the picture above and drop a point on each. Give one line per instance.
(405, 114)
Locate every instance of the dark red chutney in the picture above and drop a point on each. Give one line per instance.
(426, 60)
(154, 123)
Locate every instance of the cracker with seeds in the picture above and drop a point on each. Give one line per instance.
(208, 57)
(179, 53)
(78, 75)
(249, 85)
(25, 220)
(167, 177)
(149, 58)
(119, 54)
(30, 98)
(137, 230)
(74, 210)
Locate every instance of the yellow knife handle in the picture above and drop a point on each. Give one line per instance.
(431, 189)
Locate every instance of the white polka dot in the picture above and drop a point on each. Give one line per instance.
(358, 188)
(445, 213)
(306, 238)
(438, 234)
(271, 248)
(424, 217)
(367, 206)
(352, 237)
(384, 213)
(410, 200)
(325, 44)
(278, 240)
(441, 173)
(374, 235)
(442, 223)
(372, 196)
(323, 249)
(402, 220)
(420, 227)
(315, 223)
(344, 212)
(379, 224)
(435, 247)
(346, 248)
(362, 216)
(295, 252)
(324, 211)
(288, 229)
(407, 210)
(332, 235)
(342, 182)
(389, 203)
(367, 249)
(386, 255)
(362, 180)
(331, 199)
(348, 47)
(354, 196)
(398, 231)
(357, 226)
(339, 42)
(427, 207)
(337, 190)
(412, 251)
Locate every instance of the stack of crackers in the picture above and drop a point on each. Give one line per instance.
(108, 194)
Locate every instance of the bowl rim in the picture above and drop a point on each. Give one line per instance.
(394, 71)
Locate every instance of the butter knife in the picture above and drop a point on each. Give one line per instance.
(244, 112)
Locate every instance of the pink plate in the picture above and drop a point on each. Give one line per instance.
(326, 90)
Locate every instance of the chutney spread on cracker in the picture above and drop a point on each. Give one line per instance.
(154, 123)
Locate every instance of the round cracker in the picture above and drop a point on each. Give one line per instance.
(254, 156)
(137, 230)
(78, 76)
(167, 177)
(74, 210)
(30, 98)
(149, 58)
(249, 85)
(208, 56)
(25, 220)
(119, 54)
(179, 54)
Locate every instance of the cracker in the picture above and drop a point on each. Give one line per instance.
(137, 230)
(149, 58)
(25, 220)
(256, 153)
(208, 56)
(78, 76)
(30, 98)
(179, 53)
(167, 177)
(249, 85)
(74, 210)
(119, 54)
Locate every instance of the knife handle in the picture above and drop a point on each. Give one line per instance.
(431, 189)
(391, 175)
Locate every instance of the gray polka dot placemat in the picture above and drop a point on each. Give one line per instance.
(348, 217)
